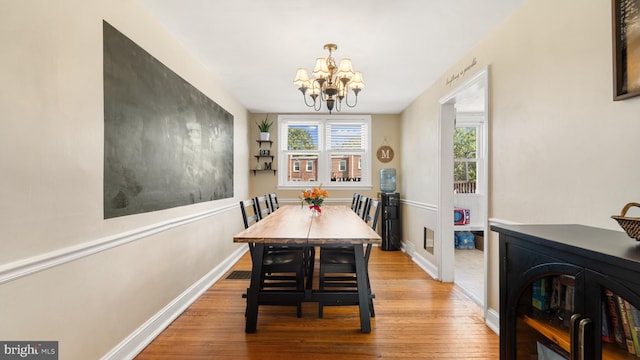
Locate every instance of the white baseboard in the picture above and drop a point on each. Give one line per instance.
(144, 335)
(423, 263)
(492, 320)
(471, 296)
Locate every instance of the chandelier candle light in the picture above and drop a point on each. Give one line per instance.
(330, 82)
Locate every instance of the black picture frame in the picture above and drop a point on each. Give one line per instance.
(626, 48)
(166, 144)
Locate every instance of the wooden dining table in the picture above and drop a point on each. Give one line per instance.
(294, 225)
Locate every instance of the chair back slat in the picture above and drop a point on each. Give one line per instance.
(354, 202)
(273, 201)
(373, 213)
(249, 213)
(363, 203)
(262, 206)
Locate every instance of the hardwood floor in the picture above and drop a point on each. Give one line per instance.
(416, 318)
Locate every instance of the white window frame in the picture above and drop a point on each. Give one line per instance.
(309, 166)
(342, 165)
(474, 121)
(296, 168)
(323, 167)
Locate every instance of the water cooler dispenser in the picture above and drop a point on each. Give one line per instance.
(390, 225)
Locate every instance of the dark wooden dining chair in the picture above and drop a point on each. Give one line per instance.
(372, 214)
(338, 265)
(273, 201)
(262, 206)
(282, 268)
(354, 201)
(249, 214)
(362, 207)
(359, 205)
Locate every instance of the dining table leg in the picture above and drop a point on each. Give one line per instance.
(254, 289)
(363, 289)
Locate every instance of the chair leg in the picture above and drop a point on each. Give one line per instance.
(310, 258)
(320, 287)
(371, 296)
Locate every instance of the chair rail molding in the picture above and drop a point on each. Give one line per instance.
(419, 205)
(25, 267)
(496, 221)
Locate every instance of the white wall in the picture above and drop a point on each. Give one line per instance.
(561, 151)
(51, 166)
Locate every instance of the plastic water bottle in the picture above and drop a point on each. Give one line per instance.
(387, 180)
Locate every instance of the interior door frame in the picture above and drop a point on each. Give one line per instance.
(446, 127)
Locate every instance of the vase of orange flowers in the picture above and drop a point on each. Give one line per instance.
(314, 198)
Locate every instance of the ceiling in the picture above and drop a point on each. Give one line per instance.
(402, 47)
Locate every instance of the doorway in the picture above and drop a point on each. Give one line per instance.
(466, 108)
(468, 198)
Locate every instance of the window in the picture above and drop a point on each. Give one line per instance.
(342, 166)
(335, 150)
(465, 162)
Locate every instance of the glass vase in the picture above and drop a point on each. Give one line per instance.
(314, 212)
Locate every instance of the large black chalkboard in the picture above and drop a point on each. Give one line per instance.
(165, 143)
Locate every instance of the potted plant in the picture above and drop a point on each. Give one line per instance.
(264, 127)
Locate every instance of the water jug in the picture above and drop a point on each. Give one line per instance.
(387, 180)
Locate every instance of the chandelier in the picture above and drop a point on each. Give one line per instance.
(329, 83)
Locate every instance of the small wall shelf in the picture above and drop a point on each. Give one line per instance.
(265, 141)
(262, 170)
(266, 154)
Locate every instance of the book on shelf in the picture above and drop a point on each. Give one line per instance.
(634, 324)
(620, 322)
(540, 294)
(624, 319)
(607, 328)
(614, 318)
(554, 302)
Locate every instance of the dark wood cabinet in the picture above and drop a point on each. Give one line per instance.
(390, 222)
(560, 286)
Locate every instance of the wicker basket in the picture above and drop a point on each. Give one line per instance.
(630, 224)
